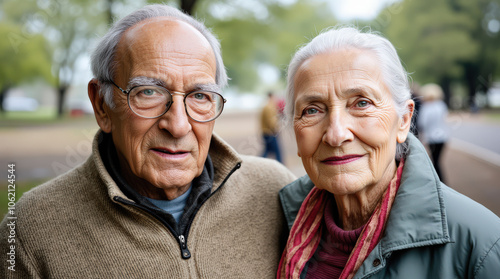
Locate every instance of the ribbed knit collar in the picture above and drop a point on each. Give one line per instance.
(335, 247)
(347, 239)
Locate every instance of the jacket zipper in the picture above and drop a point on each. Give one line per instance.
(181, 239)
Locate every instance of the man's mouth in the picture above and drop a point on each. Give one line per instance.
(169, 152)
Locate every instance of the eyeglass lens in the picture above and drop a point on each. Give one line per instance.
(153, 101)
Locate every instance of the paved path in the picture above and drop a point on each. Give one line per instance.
(41, 153)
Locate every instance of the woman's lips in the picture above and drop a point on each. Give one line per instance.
(340, 160)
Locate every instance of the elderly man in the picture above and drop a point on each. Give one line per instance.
(160, 196)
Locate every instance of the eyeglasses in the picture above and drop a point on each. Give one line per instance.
(151, 101)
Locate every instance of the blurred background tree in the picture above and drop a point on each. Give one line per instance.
(444, 41)
(67, 25)
(21, 62)
(259, 34)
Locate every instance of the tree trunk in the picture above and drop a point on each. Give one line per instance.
(471, 78)
(188, 6)
(110, 11)
(446, 85)
(3, 95)
(61, 90)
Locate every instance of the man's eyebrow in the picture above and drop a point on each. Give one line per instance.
(142, 80)
(207, 87)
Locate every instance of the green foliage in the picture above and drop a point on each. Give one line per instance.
(432, 38)
(68, 25)
(24, 57)
(249, 40)
(444, 39)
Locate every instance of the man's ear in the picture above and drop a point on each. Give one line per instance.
(405, 122)
(100, 107)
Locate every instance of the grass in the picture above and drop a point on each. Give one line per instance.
(494, 116)
(40, 117)
(21, 188)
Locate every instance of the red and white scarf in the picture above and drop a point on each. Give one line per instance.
(305, 234)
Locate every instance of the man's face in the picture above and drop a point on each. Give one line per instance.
(168, 152)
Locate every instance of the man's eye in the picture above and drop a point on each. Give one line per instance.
(200, 96)
(148, 92)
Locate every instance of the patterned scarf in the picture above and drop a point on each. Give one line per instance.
(305, 234)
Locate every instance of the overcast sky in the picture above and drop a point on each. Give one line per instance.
(357, 9)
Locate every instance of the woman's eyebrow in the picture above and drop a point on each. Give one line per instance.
(356, 90)
(307, 98)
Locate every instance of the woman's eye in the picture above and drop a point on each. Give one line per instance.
(310, 111)
(362, 104)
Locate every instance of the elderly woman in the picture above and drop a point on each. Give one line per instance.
(371, 204)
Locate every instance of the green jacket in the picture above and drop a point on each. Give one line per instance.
(432, 230)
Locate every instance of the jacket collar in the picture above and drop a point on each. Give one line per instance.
(224, 159)
(417, 217)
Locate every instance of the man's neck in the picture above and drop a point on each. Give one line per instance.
(148, 190)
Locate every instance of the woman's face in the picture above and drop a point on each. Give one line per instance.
(345, 122)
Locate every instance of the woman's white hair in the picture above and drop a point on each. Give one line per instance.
(337, 38)
(103, 62)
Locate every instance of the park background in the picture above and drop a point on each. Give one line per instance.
(46, 121)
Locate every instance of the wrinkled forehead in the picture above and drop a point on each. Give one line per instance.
(163, 34)
(159, 45)
(350, 63)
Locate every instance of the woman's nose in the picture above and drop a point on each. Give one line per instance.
(338, 129)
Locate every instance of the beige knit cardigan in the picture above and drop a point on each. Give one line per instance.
(71, 227)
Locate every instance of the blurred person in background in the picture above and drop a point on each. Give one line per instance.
(270, 125)
(432, 123)
(371, 204)
(161, 196)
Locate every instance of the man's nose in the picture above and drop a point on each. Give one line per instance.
(338, 128)
(176, 120)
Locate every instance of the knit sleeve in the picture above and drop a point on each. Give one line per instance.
(17, 263)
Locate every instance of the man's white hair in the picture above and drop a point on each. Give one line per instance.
(103, 62)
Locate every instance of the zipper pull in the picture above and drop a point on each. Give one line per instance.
(184, 250)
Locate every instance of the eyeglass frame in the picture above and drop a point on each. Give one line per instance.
(127, 92)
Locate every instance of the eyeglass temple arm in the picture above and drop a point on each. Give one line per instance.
(123, 91)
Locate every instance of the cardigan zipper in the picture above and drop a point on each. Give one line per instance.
(181, 239)
(188, 227)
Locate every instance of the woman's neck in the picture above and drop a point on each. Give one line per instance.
(356, 209)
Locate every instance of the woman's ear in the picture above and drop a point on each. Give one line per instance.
(100, 107)
(405, 122)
